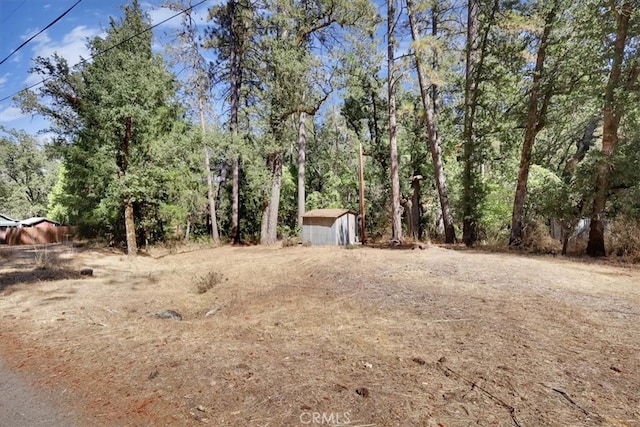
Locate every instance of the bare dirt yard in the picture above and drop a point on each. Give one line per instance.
(308, 336)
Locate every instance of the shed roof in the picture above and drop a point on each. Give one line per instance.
(6, 218)
(327, 213)
(36, 220)
(5, 221)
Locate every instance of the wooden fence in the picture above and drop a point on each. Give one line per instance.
(40, 236)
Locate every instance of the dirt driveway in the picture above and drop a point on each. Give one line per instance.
(309, 336)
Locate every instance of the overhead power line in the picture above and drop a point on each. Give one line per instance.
(40, 32)
(110, 47)
(13, 11)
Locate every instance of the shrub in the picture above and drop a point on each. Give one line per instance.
(290, 241)
(41, 257)
(209, 281)
(537, 239)
(496, 214)
(625, 239)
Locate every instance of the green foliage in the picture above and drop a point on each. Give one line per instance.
(625, 180)
(58, 209)
(322, 57)
(26, 175)
(125, 138)
(547, 195)
(495, 216)
(329, 196)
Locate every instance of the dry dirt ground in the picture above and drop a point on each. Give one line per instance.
(325, 336)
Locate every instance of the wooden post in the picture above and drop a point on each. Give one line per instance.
(363, 231)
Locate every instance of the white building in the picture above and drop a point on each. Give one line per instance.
(329, 227)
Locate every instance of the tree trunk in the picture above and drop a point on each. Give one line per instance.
(582, 146)
(274, 203)
(434, 53)
(375, 129)
(235, 202)
(396, 220)
(416, 213)
(215, 236)
(407, 205)
(211, 196)
(235, 82)
(187, 233)
(130, 228)
(123, 163)
(472, 157)
(535, 120)
(269, 226)
(363, 229)
(612, 113)
(596, 246)
(264, 223)
(302, 144)
(469, 178)
(435, 143)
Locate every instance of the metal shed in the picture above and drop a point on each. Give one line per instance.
(329, 227)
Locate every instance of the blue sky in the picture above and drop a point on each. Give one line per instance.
(20, 19)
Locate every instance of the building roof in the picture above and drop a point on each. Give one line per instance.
(327, 213)
(5, 221)
(36, 220)
(6, 218)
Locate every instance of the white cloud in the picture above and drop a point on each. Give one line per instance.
(3, 80)
(159, 14)
(33, 79)
(157, 46)
(16, 58)
(45, 138)
(10, 114)
(71, 47)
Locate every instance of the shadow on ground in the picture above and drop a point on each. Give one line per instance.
(38, 263)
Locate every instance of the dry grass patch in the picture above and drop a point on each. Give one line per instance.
(5, 253)
(381, 337)
(624, 240)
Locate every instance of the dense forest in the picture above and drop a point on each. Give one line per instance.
(488, 122)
